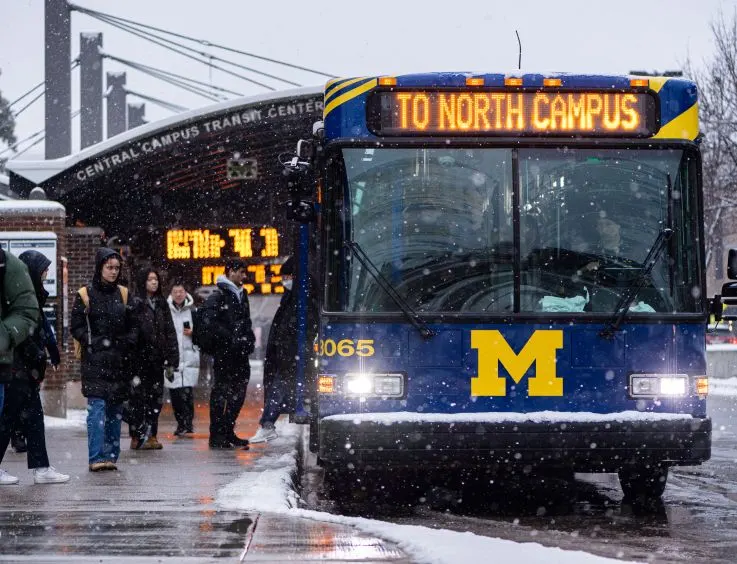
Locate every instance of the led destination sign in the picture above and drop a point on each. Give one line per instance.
(630, 114)
(245, 242)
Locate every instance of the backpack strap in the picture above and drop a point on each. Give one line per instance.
(123, 293)
(84, 294)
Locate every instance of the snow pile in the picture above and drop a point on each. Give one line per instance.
(76, 418)
(723, 387)
(508, 417)
(268, 487)
(13, 207)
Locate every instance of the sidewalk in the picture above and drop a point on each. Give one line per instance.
(161, 506)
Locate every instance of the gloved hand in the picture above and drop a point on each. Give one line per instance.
(169, 373)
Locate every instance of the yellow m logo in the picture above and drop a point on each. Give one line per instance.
(493, 349)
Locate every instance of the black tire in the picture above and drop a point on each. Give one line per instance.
(643, 482)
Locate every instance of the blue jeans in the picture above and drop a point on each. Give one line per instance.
(103, 430)
(276, 398)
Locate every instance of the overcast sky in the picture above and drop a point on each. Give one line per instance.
(363, 38)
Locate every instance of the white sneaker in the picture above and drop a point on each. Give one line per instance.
(6, 479)
(49, 475)
(263, 434)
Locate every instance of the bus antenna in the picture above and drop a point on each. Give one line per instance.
(519, 62)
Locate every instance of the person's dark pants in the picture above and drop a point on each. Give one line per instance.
(147, 399)
(227, 396)
(276, 400)
(23, 409)
(182, 402)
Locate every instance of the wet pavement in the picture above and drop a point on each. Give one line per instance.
(697, 521)
(161, 507)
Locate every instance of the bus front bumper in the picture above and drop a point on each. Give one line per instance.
(583, 446)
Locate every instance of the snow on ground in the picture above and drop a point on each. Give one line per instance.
(268, 487)
(508, 417)
(723, 387)
(76, 418)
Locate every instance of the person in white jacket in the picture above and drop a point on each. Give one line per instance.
(184, 378)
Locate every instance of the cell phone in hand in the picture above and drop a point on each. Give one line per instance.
(186, 324)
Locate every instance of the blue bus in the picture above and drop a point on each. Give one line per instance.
(511, 274)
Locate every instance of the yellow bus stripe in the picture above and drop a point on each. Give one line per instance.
(338, 88)
(350, 95)
(684, 126)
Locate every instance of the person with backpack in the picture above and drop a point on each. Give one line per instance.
(157, 353)
(24, 409)
(226, 326)
(184, 377)
(106, 334)
(18, 319)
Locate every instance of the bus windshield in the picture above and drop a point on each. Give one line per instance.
(462, 230)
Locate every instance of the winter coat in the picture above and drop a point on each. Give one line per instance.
(188, 370)
(281, 347)
(227, 314)
(157, 339)
(18, 311)
(30, 358)
(106, 363)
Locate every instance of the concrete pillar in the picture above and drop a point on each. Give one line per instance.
(58, 76)
(117, 120)
(90, 88)
(136, 114)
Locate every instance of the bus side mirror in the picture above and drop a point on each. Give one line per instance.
(732, 264)
(729, 298)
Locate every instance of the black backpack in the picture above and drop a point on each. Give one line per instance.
(203, 339)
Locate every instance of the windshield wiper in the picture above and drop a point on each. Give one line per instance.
(385, 285)
(631, 293)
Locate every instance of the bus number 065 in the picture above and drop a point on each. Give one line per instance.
(346, 347)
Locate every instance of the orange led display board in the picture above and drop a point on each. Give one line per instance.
(244, 242)
(478, 112)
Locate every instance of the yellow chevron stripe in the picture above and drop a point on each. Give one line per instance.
(685, 126)
(332, 81)
(349, 95)
(338, 88)
(657, 82)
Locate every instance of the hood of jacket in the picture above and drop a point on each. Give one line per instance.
(224, 281)
(188, 303)
(36, 263)
(103, 254)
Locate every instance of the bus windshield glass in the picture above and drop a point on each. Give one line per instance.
(462, 230)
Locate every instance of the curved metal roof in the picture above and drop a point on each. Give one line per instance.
(39, 172)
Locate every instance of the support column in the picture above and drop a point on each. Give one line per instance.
(90, 88)
(58, 76)
(136, 114)
(117, 120)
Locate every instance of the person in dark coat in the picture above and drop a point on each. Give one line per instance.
(108, 334)
(280, 362)
(23, 400)
(157, 352)
(227, 315)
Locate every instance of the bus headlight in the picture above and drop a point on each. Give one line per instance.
(365, 384)
(654, 385)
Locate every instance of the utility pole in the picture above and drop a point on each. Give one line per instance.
(117, 120)
(58, 76)
(90, 88)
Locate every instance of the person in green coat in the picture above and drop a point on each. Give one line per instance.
(19, 316)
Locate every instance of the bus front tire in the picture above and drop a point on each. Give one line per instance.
(643, 482)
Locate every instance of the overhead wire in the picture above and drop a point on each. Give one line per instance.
(203, 42)
(162, 42)
(172, 74)
(163, 103)
(14, 102)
